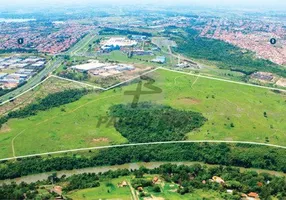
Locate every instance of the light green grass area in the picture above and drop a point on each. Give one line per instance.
(83, 43)
(196, 195)
(123, 58)
(106, 190)
(169, 192)
(110, 190)
(223, 104)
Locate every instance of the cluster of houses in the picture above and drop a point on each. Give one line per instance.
(249, 196)
(42, 37)
(96, 68)
(17, 70)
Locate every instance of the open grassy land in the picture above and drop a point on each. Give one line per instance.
(83, 43)
(52, 85)
(234, 112)
(106, 190)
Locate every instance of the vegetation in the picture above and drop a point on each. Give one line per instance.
(224, 154)
(185, 180)
(50, 101)
(74, 75)
(74, 125)
(18, 50)
(226, 55)
(149, 122)
(113, 31)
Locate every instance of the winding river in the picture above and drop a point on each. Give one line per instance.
(150, 165)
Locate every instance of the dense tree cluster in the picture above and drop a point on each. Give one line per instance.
(50, 101)
(113, 31)
(198, 177)
(228, 56)
(82, 181)
(14, 191)
(149, 122)
(186, 178)
(224, 154)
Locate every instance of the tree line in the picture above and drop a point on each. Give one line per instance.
(148, 122)
(246, 155)
(226, 55)
(50, 101)
(185, 178)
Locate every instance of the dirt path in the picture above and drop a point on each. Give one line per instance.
(133, 192)
(13, 148)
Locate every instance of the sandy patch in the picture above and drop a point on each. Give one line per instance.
(5, 128)
(281, 82)
(100, 140)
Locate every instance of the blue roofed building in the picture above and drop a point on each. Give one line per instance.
(159, 59)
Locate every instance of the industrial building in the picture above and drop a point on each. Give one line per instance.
(96, 68)
(159, 59)
(22, 70)
(115, 43)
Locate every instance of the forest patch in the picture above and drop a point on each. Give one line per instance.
(152, 122)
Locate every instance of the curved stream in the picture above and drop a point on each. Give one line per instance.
(133, 166)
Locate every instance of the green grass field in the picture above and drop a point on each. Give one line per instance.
(168, 192)
(106, 190)
(234, 112)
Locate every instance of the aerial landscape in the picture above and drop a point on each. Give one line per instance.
(143, 101)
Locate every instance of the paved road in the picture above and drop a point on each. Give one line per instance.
(50, 66)
(170, 52)
(148, 143)
(224, 80)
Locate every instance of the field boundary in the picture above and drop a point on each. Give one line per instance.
(143, 144)
(151, 143)
(145, 73)
(7, 101)
(86, 84)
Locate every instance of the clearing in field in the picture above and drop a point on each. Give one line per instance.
(233, 112)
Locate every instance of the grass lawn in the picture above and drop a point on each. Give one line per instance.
(106, 190)
(110, 190)
(169, 193)
(123, 58)
(234, 112)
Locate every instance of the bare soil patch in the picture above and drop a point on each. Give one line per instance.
(189, 100)
(100, 140)
(281, 82)
(5, 128)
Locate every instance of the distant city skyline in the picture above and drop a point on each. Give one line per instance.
(278, 4)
